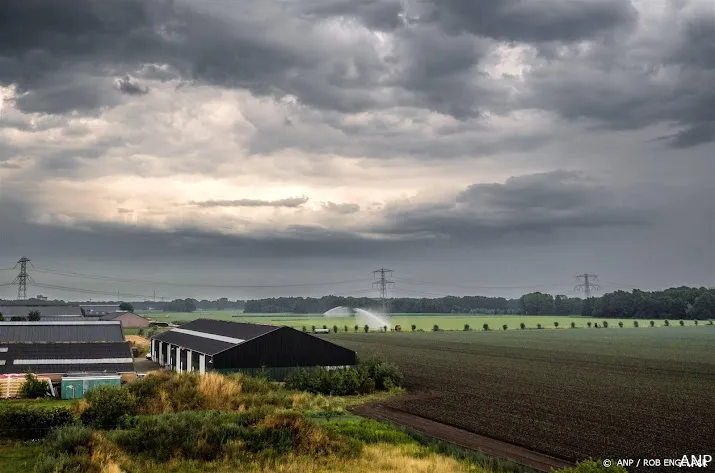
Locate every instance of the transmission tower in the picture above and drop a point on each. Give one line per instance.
(22, 278)
(383, 283)
(585, 284)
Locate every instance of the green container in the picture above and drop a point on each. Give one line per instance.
(75, 387)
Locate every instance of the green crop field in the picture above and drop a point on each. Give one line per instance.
(422, 321)
(602, 393)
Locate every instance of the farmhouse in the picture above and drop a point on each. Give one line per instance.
(55, 349)
(204, 345)
(128, 319)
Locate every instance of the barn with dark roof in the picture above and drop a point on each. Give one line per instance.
(205, 345)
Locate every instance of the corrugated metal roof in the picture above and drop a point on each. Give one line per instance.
(113, 357)
(63, 318)
(229, 334)
(24, 310)
(94, 331)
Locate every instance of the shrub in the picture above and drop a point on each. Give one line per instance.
(357, 329)
(34, 316)
(635, 323)
(681, 323)
(305, 329)
(556, 325)
(435, 328)
(345, 329)
(151, 332)
(666, 322)
(25, 422)
(140, 332)
(34, 388)
(335, 329)
(522, 325)
(366, 328)
(620, 324)
(538, 326)
(367, 386)
(588, 324)
(605, 324)
(504, 327)
(72, 440)
(386, 375)
(325, 327)
(485, 327)
(414, 327)
(573, 324)
(710, 322)
(591, 466)
(466, 327)
(695, 321)
(17, 318)
(313, 328)
(652, 323)
(107, 405)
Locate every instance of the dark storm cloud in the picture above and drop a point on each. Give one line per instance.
(131, 87)
(290, 202)
(540, 204)
(532, 21)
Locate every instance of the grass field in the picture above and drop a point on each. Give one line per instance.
(569, 393)
(18, 458)
(422, 321)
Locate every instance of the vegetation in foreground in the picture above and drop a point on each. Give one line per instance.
(186, 423)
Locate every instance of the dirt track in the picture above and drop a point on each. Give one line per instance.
(463, 438)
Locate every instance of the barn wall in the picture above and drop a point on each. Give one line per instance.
(284, 348)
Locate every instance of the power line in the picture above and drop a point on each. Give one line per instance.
(87, 291)
(215, 286)
(382, 283)
(466, 286)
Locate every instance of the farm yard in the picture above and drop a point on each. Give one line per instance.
(424, 322)
(572, 394)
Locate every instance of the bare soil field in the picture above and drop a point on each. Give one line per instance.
(570, 394)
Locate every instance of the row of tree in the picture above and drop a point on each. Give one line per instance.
(673, 303)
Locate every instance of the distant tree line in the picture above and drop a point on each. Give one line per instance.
(674, 303)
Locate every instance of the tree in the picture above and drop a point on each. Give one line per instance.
(325, 326)
(682, 323)
(346, 329)
(126, 307)
(466, 327)
(335, 329)
(573, 324)
(605, 324)
(366, 328)
(2, 318)
(414, 327)
(666, 323)
(588, 324)
(620, 324)
(652, 323)
(635, 323)
(356, 329)
(538, 326)
(556, 325)
(313, 328)
(504, 327)
(34, 388)
(435, 328)
(485, 327)
(522, 325)
(34, 316)
(304, 328)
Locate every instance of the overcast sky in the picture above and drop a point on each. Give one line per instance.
(481, 147)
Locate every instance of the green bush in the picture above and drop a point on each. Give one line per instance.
(366, 328)
(485, 327)
(435, 328)
(305, 329)
(345, 329)
(588, 324)
(383, 376)
(695, 321)
(538, 326)
(605, 324)
(522, 325)
(25, 422)
(466, 327)
(591, 466)
(72, 440)
(652, 323)
(710, 322)
(620, 324)
(504, 327)
(573, 324)
(414, 327)
(682, 323)
(635, 323)
(666, 322)
(107, 405)
(556, 325)
(357, 329)
(335, 329)
(34, 388)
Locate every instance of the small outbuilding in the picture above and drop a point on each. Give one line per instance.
(75, 386)
(205, 345)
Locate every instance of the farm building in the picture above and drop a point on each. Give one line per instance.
(99, 309)
(128, 319)
(54, 349)
(204, 345)
(45, 310)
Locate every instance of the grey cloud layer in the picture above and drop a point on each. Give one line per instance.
(66, 55)
(291, 202)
